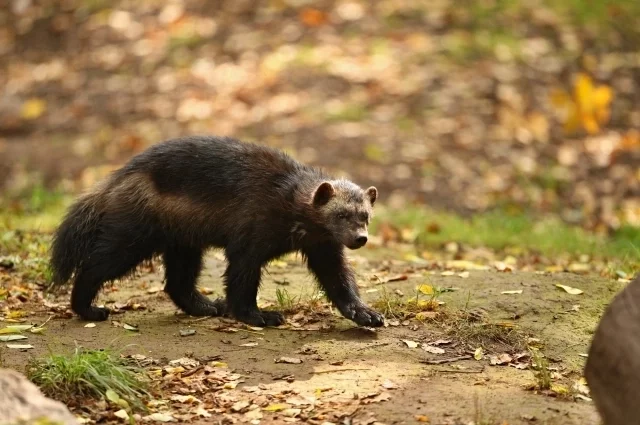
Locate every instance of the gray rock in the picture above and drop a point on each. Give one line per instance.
(613, 364)
(22, 402)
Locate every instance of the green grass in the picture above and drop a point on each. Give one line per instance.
(500, 230)
(88, 373)
(26, 252)
(37, 215)
(286, 302)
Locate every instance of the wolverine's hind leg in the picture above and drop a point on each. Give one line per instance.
(109, 261)
(182, 268)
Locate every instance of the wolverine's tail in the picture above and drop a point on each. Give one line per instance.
(74, 238)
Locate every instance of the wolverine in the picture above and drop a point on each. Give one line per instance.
(183, 196)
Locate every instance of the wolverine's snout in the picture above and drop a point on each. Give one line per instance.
(359, 241)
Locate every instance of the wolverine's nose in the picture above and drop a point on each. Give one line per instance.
(361, 240)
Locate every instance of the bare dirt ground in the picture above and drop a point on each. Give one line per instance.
(226, 372)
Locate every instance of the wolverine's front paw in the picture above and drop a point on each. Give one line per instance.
(363, 315)
(261, 318)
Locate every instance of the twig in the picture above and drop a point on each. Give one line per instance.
(192, 371)
(460, 371)
(340, 370)
(382, 344)
(443, 361)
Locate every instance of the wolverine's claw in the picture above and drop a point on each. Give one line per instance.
(363, 315)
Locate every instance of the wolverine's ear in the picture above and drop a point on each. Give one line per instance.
(323, 193)
(372, 193)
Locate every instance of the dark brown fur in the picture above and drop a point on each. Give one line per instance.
(183, 196)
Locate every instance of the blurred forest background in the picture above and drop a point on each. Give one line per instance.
(464, 106)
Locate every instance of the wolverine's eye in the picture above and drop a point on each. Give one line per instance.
(342, 216)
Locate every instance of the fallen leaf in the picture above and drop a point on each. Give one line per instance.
(33, 108)
(122, 414)
(465, 265)
(478, 353)
(15, 329)
(239, 406)
(375, 398)
(569, 289)
(130, 327)
(7, 338)
(410, 344)
(389, 385)
(431, 349)
(312, 17)
(160, 417)
(397, 278)
(500, 359)
(426, 289)
(559, 389)
(289, 360)
(116, 399)
(249, 344)
(292, 413)
(20, 346)
(447, 273)
(203, 413)
(519, 291)
(90, 325)
(424, 315)
(275, 407)
(463, 275)
(186, 362)
(187, 332)
(185, 399)
(422, 418)
(253, 415)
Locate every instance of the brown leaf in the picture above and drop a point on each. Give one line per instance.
(312, 17)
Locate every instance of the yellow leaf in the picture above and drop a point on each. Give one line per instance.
(276, 407)
(602, 96)
(559, 389)
(583, 92)
(569, 289)
(422, 418)
(590, 124)
(572, 121)
(33, 108)
(425, 289)
(15, 314)
(478, 353)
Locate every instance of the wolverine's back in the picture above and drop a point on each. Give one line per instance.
(201, 167)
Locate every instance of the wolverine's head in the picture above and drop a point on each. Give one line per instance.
(346, 210)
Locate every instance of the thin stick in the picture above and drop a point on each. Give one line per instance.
(443, 361)
(340, 370)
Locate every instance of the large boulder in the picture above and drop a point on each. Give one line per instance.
(613, 365)
(22, 402)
